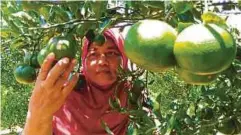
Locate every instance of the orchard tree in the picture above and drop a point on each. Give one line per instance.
(180, 85)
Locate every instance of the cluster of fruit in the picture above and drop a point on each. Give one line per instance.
(25, 73)
(199, 53)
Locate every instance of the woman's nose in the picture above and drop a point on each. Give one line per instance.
(103, 60)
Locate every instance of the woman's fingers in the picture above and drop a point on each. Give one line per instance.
(64, 78)
(46, 66)
(65, 75)
(70, 84)
(57, 71)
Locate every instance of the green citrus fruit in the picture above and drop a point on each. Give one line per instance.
(193, 78)
(207, 113)
(61, 47)
(31, 59)
(138, 86)
(149, 44)
(204, 49)
(227, 127)
(25, 74)
(238, 127)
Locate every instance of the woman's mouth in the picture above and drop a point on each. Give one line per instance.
(103, 70)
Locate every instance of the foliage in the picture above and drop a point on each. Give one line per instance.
(178, 108)
(14, 96)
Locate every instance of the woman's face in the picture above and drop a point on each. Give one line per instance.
(102, 62)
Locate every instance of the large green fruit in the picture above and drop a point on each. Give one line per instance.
(238, 127)
(61, 47)
(149, 44)
(204, 49)
(196, 79)
(25, 74)
(138, 86)
(227, 127)
(207, 113)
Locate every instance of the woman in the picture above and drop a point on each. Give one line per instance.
(55, 108)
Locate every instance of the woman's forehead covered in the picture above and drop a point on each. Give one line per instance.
(109, 45)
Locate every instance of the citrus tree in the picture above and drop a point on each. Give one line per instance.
(187, 78)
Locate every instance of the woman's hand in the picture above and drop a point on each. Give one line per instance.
(51, 88)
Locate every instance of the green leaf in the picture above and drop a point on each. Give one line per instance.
(150, 131)
(78, 14)
(15, 29)
(98, 8)
(82, 29)
(155, 4)
(196, 13)
(182, 6)
(74, 7)
(23, 16)
(31, 5)
(105, 24)
(191, 110)
(84, 10)
(188, 121)
(105, 126)
(5, 32)
(132, 130)
(239, 4)
(19, 42)
(148, 121)
(114, 103)
(7, 8)
(171, 125)
(186, 17)
(173, 21)
(45, 12)
(61, 15)
(137, 113)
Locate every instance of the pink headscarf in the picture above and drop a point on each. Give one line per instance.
(83, 110)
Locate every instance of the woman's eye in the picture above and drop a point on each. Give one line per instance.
(112, 54)
(92, 55)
